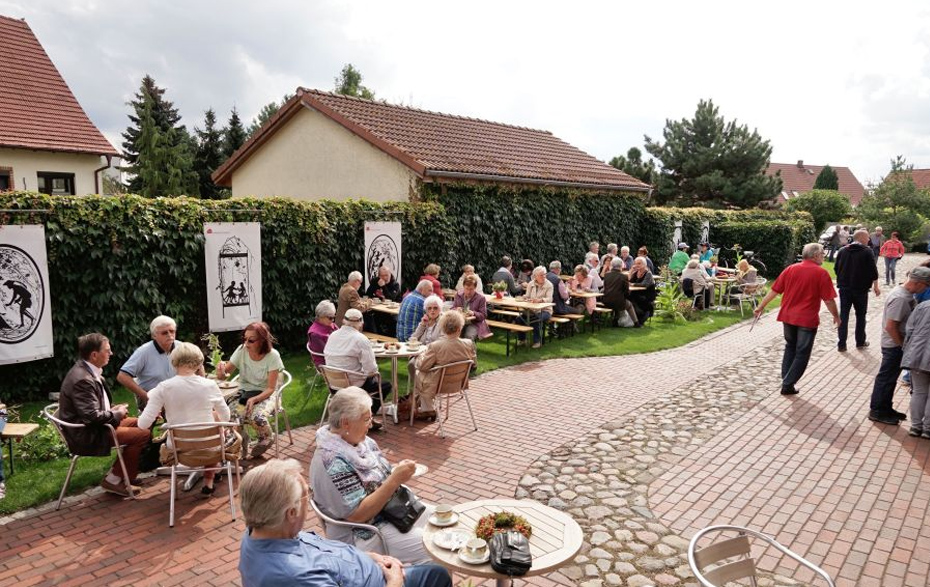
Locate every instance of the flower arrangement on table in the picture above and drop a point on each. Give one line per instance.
(499, 288)
(491, 524)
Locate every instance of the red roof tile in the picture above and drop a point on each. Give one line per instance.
(37, 109)
(444, 146)
(799, 177)
(921, 177)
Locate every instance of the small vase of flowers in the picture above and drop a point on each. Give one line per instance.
(499, 288)
(491, 524)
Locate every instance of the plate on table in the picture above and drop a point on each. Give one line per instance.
(391, 351)
(450, 522)
(420, 469)
(467, 558)
(228, 385)
(451, 539)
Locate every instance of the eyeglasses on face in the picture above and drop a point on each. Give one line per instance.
(249, 340)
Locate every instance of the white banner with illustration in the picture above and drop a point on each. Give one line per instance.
(234, 274)
(25, 306)
(382, 247)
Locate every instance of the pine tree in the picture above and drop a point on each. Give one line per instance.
(349, 83)
(265, 114)
(234, 135)
(163, 164)
(163, 115)
(209, 154)
(711, 162)
(634, 165)
(827, 179)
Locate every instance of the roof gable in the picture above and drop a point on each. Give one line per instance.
(37, 108)
(440, 146)
(921, 178)
(799, 177)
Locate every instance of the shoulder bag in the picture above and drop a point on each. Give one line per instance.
(403, 509)
(510, 553)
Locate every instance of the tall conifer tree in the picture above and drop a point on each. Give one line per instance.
(209, 154)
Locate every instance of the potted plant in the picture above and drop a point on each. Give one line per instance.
(216, 351)
(499, 288)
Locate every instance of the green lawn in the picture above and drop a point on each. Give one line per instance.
(36, 483)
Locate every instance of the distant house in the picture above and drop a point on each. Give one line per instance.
(921, 178)
(324, 145)
(47, 142)
(799, 178)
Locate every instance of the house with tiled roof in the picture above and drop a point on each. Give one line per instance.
(799, 177)
(325, 145)
(921, 178)
(47, 142)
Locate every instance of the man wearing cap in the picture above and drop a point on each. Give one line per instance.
(898, 308)
(804, 285)
(680, 259)
(348, 349)
(855, 274)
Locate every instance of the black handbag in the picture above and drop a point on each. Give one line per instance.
(403, 509)
(510, 553)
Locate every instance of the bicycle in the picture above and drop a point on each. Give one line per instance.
(750, 257)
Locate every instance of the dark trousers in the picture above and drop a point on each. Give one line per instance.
(852, 299)
(371, 386)
(799, 342)
(886, 380)
(538, 324)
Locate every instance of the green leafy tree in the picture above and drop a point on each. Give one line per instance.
(824, 205)
(897, 203)
(163, 165)
(234, 134)
(349, 83)
(634, 165)
(209, 155)
(164, 116)
(827, 179)
(708, 161)
(267, 111)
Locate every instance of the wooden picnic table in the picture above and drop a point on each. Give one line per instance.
(17, 432)
(585, 294)
(555, 541)
(390, 308)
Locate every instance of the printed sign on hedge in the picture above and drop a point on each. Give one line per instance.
(234, 274)
(382, 248)
(25, 307)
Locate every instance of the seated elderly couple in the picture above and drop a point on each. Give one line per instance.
(347, 349)
(423, 306)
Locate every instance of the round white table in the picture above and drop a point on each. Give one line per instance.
(403, 352)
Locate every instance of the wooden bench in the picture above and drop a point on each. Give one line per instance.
(379, 337)
(509, 327)
(509, 313)
(565, 319)
(17, 432)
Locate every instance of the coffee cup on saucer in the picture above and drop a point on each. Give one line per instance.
(476, 548)
(443, 513)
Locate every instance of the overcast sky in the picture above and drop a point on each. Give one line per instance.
(828, 82)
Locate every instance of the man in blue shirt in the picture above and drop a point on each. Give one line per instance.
(276, 552)
(411, 310)
(150, 364)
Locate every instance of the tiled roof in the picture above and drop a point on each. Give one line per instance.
(444, 146)
(800, 177)
(921, 177)
(37, 109)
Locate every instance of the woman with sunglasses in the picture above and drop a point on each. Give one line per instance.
(259, 367)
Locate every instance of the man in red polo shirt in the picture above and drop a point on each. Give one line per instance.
(804, 285)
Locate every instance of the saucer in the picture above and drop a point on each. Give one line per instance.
(414, 347)
(392, 351)
(450, 522)
(451, 539)
(420, 469)
(475, 561)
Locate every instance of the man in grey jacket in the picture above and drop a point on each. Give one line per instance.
(917, 359)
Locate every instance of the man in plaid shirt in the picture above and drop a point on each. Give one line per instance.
(411, 310)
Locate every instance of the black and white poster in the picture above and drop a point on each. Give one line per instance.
(234, 274)
(676, 238)
(382, 248)
(25, 306)
(705, 232)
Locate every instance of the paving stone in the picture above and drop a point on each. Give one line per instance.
(599, 537)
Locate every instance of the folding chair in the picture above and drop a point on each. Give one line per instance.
(337, 379)
(329, 521)
(50, 413)
(748, 293)
(453, 379)
(200, 446)
(284, 379)
(739, 548)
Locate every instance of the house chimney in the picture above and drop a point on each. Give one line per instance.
(800, 164)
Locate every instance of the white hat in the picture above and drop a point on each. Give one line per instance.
(353, 315)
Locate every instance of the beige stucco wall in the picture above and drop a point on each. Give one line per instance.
(26, 164)
(311, 157)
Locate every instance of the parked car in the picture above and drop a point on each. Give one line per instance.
(827, 235)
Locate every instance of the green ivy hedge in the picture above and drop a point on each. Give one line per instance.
(115, 263)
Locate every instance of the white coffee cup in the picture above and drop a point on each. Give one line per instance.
(443, 513)
(476, 548)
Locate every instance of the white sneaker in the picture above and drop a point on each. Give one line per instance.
(2, 490)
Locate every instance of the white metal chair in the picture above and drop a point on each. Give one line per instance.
(735, 548)
(748, 293)
(337, 379)
(328, 521)
(317, 373)
(50, 413)
(199, 446)
(453, 379)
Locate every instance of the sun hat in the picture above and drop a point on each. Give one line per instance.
(353, 315)
(683, 246)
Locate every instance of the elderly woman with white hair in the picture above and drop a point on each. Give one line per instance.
(698, 283)
(349, 297)
(276, 551)
(592, 264)
(352, 480)
(450, 348)
(539, 290)
(187, 398)
(466, 271)
(319, 331)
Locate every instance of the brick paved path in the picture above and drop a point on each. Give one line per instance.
(806, 469)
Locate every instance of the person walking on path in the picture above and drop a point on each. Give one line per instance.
(855, 274)
(876, 240)
(804, 285)
(892, 251)
(917, 358)
(898, 308)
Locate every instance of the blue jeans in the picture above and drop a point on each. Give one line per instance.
(538, 325)
(852, 299)
(886, 380)
(428, 575)
(890, 263)
(799, 342)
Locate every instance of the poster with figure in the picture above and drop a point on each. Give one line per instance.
(25, 305)
(382, 248)
(677, 237)
(234, 274)
(705, 232)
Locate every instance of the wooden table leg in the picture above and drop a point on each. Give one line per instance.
(10, 444)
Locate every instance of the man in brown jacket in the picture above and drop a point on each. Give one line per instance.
(449, 348)
(85, 399)
(350, 298)
(617, 292)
